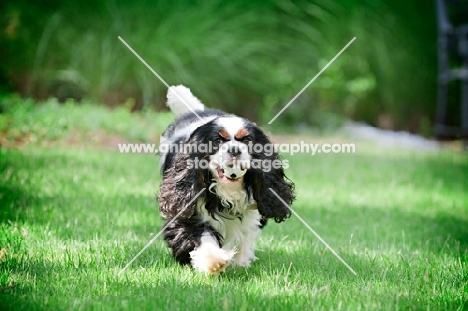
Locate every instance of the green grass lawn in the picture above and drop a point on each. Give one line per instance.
(71, 218)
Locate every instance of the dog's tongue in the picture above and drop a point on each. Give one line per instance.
(223, 178)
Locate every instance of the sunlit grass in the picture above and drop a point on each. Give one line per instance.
(72, 218)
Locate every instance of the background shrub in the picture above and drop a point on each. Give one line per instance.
(248, 57)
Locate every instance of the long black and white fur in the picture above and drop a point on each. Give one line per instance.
(219, 227)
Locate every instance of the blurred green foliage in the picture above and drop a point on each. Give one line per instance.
(25, 121)
(247, 57)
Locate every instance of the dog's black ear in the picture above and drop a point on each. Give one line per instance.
(268, 203)
(267, 172)
(183, 178)
(182, 181)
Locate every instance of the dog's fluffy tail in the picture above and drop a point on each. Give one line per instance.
(180, 100)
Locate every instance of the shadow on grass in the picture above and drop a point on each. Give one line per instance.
(77, 210)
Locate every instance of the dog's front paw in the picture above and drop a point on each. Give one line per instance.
(243, 259)
(211, 260)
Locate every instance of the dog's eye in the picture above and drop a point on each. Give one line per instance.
(246, 140)
(217, 140)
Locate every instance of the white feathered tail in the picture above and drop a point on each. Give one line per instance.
(179, 99)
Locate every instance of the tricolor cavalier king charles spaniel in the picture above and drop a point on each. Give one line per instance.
(220, 226)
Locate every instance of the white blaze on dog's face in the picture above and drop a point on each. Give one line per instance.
(231, 161)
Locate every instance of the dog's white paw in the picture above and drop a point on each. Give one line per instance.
(211, 259)
(243, 259)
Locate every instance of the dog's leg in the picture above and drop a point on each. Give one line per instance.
(209, 257)
(250, 230)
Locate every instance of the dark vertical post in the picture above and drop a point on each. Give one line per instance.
(463, 50)
(444, 29)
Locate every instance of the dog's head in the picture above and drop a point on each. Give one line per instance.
(232, 153)
(229, 140)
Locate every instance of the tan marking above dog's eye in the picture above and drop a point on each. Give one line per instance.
(224, 134)
(241, 133)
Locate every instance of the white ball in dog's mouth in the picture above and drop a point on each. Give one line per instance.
(233, 171)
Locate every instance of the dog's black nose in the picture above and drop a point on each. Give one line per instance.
(234, 151)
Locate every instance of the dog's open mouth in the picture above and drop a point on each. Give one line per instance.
(225, 178)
